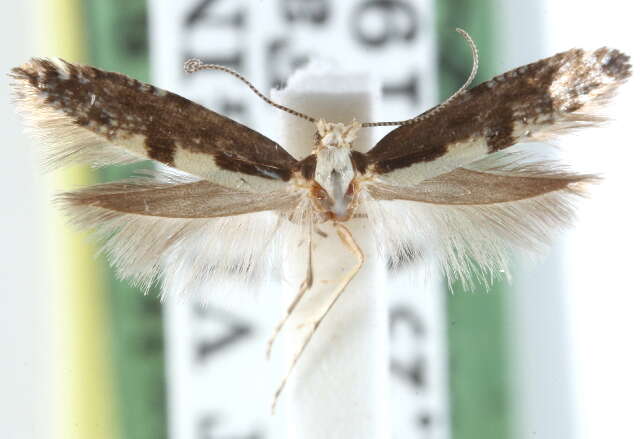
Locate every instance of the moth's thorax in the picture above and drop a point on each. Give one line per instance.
(335, 172)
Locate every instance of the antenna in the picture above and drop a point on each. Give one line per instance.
(195, 65)
(427, 114)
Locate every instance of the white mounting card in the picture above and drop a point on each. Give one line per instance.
(219, 383)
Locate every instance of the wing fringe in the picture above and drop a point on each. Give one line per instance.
(197, 250)
(473, 241)
(207, 234)
(66, 142)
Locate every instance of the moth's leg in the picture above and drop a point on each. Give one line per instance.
(347, 239)
(305, 286)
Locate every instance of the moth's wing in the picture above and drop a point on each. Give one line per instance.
(190, 234)
(200, 199)
(531, 103)
(468, 219)
(469, 187)
(88, 115)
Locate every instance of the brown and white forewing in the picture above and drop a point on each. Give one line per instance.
(89, 115)
(531, 103)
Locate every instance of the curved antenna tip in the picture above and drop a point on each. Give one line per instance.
(192, 65)
(429, 113)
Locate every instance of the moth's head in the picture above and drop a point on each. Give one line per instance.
(336, 135)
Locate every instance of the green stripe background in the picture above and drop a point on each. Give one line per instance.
(478, 357)
(118, 41)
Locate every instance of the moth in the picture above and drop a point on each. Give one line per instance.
(227, 201)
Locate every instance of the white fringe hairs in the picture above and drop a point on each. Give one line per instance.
(470, 242)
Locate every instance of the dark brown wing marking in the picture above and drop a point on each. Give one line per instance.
(528, 103)
(146, 121)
